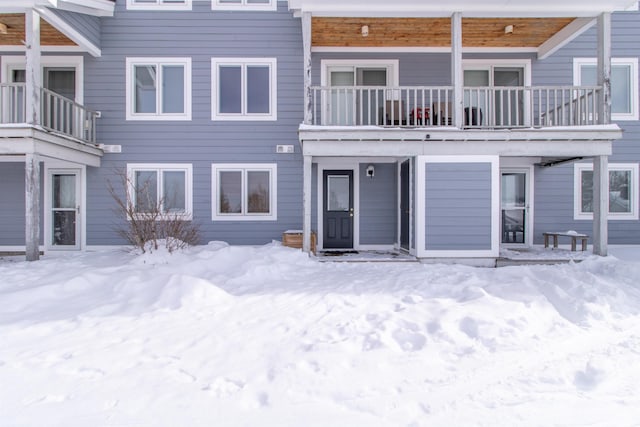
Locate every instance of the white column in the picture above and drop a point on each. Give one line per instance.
(600, 205)
(32, 207)
(32, 70)
(604, 68)
(306, 48)
(306, 209)
(457, 77)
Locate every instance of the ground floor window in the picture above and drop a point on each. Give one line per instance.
(623, 191)
(161, 188)
(244, 191)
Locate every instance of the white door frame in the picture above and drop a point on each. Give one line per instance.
(55, 167)
(528, 233)
(399, 194)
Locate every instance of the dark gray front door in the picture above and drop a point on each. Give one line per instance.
(338, 209)
(404, 205)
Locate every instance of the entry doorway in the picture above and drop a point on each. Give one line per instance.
(515, 212)
(64, 195)
(405, 205)
(338, 213)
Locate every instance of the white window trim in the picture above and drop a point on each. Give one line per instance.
(633, 62)
(391, 65)
(490, 64)
(15, 62)
(244, 62)
(272, 168)
(159, 168)
(633, 192)
(130, 79)
(243, 5)
(132, 5)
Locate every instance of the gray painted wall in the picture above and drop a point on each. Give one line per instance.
(378, 208)
(554, 186)
(458, 206)
(201, 34)
(12, 209)
(88, 26)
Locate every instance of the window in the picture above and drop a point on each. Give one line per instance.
(244, 89)
(244, 192)
(159, 4)
(624, 77)
(244, 4)
(623, 191)
(158, 88)
(162, 187)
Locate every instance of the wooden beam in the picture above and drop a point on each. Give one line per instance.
(600, 205)
(32, 207)
(306, 48)
(457, 78)
(32, 70)
(564, 36)
(306, 196)
(604, 68)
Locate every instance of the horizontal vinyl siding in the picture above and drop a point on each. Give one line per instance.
(12, 208)
(199, 34)
(458, 206)
(378, 208)
(88, 26)
(554, 186)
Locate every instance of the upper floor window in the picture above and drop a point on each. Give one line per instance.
(623, 191)
(244, 4)
(244, 89)
(624, 88)
(163, 189)
(159, 4)
(158, 89)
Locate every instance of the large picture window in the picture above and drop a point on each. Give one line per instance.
(158, 88)
(244, 191)
(159, 4)
(623, 191)
(244, 89)
(163, 188)
(624, 77)
(244, 4)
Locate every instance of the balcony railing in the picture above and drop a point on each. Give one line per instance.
(483, 107)
(57, 113)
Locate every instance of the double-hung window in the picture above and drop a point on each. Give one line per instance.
(624, 87)
(159, 4)
(244, 89)
(623, 191)
(244, 4)
(163, 189)
(158, 89)
(244, 192)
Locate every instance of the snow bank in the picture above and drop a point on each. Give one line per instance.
(245, 336)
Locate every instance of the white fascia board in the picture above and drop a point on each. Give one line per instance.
(66, 29)
(564, 36)
(88, 7)
(468, 8)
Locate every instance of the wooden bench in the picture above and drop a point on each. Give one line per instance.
(574, 237)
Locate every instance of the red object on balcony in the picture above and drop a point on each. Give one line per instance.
(420, 115)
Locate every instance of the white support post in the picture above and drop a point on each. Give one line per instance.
(33, 70)
(600, 205)
(32, 207)
(306, 197)
(306, 48)
(457, 77)
(604, 68)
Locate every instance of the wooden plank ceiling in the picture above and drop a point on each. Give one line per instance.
(49, 36)
(433, 32)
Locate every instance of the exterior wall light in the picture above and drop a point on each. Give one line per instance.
(365, 30)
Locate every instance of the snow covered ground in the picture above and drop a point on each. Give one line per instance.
(264, 336)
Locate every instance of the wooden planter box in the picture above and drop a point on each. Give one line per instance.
(293, 239)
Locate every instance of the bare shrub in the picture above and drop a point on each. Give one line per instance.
(149, 224)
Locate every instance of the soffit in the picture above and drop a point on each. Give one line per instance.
(49, 36)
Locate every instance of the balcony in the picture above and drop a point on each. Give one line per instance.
(484, 108)
(58, 114)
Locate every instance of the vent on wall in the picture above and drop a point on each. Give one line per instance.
(284, 149)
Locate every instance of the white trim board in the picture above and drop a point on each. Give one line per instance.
(66, 29)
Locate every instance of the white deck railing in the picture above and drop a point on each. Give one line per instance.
(57, 113)
(483, 107)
